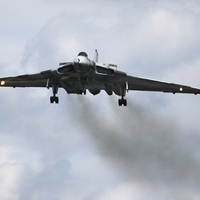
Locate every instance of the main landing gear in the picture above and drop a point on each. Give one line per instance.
(55, 86)
(53, 99)
(122, 101)
(123, 89)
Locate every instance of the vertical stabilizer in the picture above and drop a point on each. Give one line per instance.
(96, 55)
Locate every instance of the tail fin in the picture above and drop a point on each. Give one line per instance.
(96, 55)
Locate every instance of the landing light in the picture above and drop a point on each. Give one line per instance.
(3, 82)
(181, 89)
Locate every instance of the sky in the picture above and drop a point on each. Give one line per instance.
(86, 147)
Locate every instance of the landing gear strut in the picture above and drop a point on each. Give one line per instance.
(123, 89)
(55, 86)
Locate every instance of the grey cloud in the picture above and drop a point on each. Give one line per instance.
(52, 182)
(151, 38)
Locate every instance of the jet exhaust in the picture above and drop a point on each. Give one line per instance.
(141, 146)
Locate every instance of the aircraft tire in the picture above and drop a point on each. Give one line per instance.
(57, 100)
(125, 102)
(51, 100)
(120, 102)
(54, 99)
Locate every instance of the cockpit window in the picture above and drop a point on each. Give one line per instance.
(83, 54)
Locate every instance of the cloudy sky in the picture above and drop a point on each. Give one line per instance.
(86, 147)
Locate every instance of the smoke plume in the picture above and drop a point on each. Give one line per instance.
(141, 145)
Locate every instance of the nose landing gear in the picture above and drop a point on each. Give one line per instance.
(83, 91)
(83, 81)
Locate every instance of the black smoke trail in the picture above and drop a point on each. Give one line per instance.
(141, 145)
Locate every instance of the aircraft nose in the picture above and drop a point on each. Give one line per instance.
(81, 64)
(78, 61)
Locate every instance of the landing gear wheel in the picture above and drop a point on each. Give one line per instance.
(125, 102)
(54, 99)
(122, 102)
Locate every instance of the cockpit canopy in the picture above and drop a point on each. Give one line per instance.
(83, 54)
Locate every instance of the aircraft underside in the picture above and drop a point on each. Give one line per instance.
(80, 85)
(85, 74)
